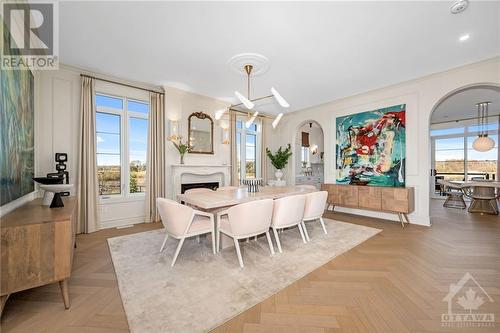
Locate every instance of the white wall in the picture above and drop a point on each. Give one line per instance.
(420, 96)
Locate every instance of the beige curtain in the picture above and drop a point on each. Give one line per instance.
(155, 167)
(263, 155)
(234, 159)
(88, 190)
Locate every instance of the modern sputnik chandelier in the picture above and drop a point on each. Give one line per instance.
(249, 103)
(482, 143)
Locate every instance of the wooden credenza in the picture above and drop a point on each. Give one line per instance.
(37, 247)
(397, 200)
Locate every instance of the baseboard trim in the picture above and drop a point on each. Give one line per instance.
(122, 222)
(414, 219)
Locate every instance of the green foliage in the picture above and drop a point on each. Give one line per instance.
(280, 159)
(133, 184)
(182, 147)
(137, 166)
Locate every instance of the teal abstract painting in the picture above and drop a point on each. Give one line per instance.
(370, 147)
(17, 133)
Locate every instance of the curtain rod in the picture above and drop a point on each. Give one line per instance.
(122, 84)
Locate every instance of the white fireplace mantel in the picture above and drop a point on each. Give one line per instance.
(195, 173)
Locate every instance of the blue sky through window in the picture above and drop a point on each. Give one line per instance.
(138, 139)
(138, 107)
(250, 147)
(487, 127)
(109, 132)
(453, 149)
(108, 102)
(108, 139)
(447, 131)
(107, 123)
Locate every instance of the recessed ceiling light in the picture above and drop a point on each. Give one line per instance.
(463, 38)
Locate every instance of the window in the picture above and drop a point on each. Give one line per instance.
(121, 135)
(450, 158)
(248, 146)
(482, 165)
(305, 157)
(453, 155)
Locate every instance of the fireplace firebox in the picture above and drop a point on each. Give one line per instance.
(213, 186)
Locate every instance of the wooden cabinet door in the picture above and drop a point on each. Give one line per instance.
(348, 195)
(332, 193)
(395, 199)
(370, 197)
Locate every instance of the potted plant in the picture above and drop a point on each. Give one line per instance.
(182, 147)
(279, 159)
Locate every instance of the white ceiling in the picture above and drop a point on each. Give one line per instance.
(462, 105)
(318, 51)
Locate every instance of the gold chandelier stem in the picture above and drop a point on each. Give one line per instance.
(248, 70)
(248, 85)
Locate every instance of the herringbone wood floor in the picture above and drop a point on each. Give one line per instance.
(394, 282)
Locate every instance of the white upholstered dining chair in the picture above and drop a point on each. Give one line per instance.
(288, 212)
(314, 209)
(182, 221)
(246, 220)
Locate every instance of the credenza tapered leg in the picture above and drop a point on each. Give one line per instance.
(400, 215)
(65, 292)
(3, 301)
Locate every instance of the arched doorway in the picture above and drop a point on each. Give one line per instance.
(453, 129)
(309, 153)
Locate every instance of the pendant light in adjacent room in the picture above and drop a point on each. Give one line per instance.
(482, 143)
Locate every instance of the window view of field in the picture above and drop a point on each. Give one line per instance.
(454, 169)
(109, 178)
(113, 127)
(137, 177)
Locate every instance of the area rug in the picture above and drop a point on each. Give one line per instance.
(203, 290)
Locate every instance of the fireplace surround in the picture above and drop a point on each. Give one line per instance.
(186, 174)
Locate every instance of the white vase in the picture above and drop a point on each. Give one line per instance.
(278, 174)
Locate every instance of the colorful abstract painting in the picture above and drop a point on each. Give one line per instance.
(16, 134)
(370, 147)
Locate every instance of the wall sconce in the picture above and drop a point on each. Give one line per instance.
(314, 149)
(174, 130)
(225, 136)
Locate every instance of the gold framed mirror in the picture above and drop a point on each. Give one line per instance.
(200, 133)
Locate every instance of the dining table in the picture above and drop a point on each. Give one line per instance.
(216, 201)
(483, 194)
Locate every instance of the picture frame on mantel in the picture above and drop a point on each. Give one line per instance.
(200, 133)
